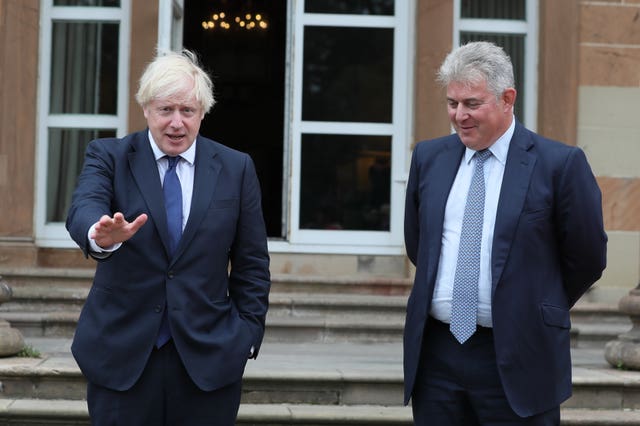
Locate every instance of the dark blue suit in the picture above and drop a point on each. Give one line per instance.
(216, 311)
(549, 246)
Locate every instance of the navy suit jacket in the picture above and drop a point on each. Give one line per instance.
(549, 246)
(215, 286)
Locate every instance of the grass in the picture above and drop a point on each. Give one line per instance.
(28, 351)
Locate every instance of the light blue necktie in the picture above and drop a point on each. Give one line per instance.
(464, 305)
(173, 205)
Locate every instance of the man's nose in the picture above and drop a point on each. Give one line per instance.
(176, 119)
(462, 112)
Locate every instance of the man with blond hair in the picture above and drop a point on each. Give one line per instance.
(180, 293)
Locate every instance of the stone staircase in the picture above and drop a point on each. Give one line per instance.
(332, 355)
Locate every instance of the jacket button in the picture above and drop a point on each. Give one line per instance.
(170, 274)
(158, 308)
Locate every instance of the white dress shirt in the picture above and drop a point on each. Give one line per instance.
(452, 226)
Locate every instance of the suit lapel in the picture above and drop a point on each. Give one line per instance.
(145, 172)
(517, 174)
(439, 181)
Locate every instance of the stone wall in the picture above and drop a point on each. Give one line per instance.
(609, 128)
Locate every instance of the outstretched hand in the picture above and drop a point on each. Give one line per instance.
(112, 230)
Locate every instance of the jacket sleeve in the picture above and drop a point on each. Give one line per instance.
(92, 196)
(249, 279)
(582, 239)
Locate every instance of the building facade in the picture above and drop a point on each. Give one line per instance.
(328, 97)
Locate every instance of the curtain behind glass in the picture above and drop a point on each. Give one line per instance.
(493, 9)
(65, 159)
(84, 68)
(356, 7)
(104, 3)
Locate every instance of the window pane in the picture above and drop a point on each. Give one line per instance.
(513, 45)
(348, 74)
(66, 155)
(354, 7)
(345, 182)
(493, 9)
(84, 68)
(104, 3)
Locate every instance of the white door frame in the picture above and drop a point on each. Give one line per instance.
(354, 242)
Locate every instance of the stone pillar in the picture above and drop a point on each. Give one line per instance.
(624, 352)
(11, 341)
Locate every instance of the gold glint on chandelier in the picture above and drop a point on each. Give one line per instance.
(246, 22)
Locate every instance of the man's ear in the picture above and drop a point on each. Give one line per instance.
(509, 96)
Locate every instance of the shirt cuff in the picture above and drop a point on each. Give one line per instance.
(95, 248)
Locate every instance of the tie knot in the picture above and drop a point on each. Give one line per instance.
(173, 161)
(481, 156)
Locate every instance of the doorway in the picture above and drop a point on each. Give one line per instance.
(242, 44)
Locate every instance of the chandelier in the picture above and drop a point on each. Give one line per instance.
(236, 21)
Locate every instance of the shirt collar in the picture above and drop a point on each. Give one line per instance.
(500, 147)
(189, 155)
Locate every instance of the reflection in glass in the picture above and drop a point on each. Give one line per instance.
(348, 74)
(84, 68)
(99, 3)
(513, 45)
(493, 9)
(345, 182)
(65, 158)
(252, 17)
(354, 7)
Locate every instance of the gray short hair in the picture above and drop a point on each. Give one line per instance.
(167, 74)
(475, 62)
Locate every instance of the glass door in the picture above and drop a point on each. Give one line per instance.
(350, 124)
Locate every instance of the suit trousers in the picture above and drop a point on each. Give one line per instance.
(164, 395)
(459, 384)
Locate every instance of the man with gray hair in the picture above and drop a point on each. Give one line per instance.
(505, 229)
(180, 292)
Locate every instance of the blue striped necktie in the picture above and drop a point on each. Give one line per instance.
(464, 304)
(173, 205)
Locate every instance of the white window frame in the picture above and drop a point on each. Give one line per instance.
(528, 28)
(352, 242)
(54, 234)
(170, 23)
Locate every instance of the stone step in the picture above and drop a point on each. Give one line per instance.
(590, 417)
(302, 317)
(47, 301)
(326, 374)
(283, 377)
(332, 325)
(304, 304)
(43, 324)
(305, 384)
(330, 330)
(594, 323)
(597, 311)
(34, 412)
(77, 278)
(286, 283)
(596, 335)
